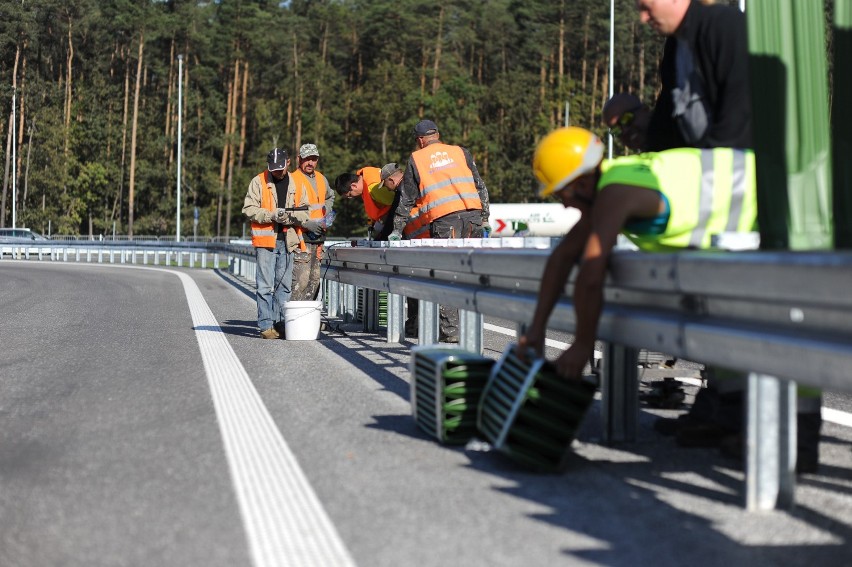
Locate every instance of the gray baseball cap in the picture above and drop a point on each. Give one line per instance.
(387, 171)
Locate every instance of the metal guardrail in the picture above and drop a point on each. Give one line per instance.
(781, 317)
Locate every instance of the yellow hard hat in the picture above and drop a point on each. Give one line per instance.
(564, 155)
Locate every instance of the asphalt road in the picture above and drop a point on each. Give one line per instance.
(142, 422)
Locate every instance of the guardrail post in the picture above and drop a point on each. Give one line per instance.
(27, 252)
(145, 258)
(179, 255)
(333, 306)
(100, 256)
(64, 254)
(470, 329)
(122, 255)
(112, 256)
(770, 443)
(350, 303)
(204, 260)
(396, 317)
(216, 261)
(371, 310)
(39, 253)
(427, 322)
(619, 392)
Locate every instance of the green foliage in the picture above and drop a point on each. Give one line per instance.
(352, 76)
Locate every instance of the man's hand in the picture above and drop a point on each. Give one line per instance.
(529, 341)
(280, 215)
(313, 226)
(394, 236)
(571, 363)
(486, 229)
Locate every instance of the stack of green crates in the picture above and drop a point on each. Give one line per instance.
(446, 385)
(530, 414)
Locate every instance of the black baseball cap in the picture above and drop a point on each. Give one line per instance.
(277, 159)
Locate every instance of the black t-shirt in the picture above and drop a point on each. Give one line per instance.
(281, 186)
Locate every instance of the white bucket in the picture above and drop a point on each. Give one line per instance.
(302, 320)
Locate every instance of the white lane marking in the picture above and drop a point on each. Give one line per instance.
(285, 522)
(837, 416)
(547, 342)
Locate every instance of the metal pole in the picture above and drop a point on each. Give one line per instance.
(14, 160)
(179, 141)
(611, 64)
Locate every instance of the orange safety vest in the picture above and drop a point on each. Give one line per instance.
(416, 227)
(316, 201)
(371, 176)
(446, 182)
(263, 234)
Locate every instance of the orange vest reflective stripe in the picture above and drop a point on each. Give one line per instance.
(371, 176)
(263, 234)
(446, 182)
(316, 200)
(416, 227)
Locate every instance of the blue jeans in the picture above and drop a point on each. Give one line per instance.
(274, 280)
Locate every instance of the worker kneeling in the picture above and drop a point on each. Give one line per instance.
(670, 200)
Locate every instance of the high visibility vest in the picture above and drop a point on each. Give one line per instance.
(446, 182)
(370, 176)
(263, 234)
(316, 200)
(710, 191)
(416, 227)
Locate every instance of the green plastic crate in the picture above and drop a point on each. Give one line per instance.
(446, 385)
(530, 414)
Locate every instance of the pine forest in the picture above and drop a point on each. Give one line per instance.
(95, 88)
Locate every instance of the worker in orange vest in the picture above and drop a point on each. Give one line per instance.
(367, 184)
(313, 190)
(442, 181)
(270, 194)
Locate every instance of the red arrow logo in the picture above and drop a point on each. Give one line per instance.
(500, 225)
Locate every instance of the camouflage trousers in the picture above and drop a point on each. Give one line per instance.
(306, 273)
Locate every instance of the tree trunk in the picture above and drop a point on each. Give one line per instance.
(168, 149)
(436, 80)
(584, 72)
(561, 62)
(22, 99)
(9, 140)
(223, 166)
(594, 94)
(297, 81)
(231, 152)
(132, 185)
(68, 91)
(244, 115)
(27, 169)
(119, 198)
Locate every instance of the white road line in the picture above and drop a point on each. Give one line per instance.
(837, 416)
(284, 520)
(547, 342)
